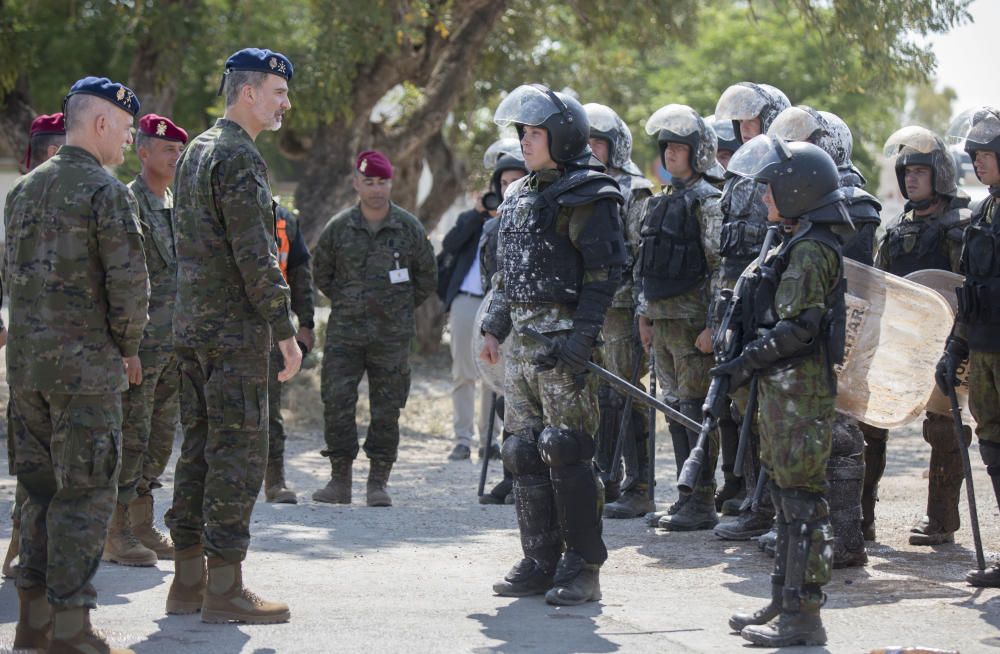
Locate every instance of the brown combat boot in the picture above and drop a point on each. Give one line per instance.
(122, 546)
(34, 619)
(187, 591)
(378, 478)
(338, 489)
(226, 600)
(9, 569)
(72, 634)
(140, 516)
(275, 490)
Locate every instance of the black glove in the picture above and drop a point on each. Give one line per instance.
(738, 370)
(569, 354)
(956, 350)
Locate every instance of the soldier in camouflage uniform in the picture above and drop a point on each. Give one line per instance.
(231, 302)
(76, 278)
(927, 235)
(150, 408)
(46, 135)
(560, 254)
(374, 262)
(976, 334)
(797, 309)
(621, 352)
(293, 259)
(675, 273)
(751, 108)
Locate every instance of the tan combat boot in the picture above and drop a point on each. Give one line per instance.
(275, 490)
(140, 515)
(187, 591)
(33, 620)
(338, 489)
(72, 634)
(226, 600)
(13, 549)
(378, 478)
(122, 546)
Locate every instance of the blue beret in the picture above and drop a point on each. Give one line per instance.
(260, 60)
(117, 94)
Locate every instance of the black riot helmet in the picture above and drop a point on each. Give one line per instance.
(562, 117)
(976, 129)
(502, 155)
(918, 146)
(606, 124)
(803, 178)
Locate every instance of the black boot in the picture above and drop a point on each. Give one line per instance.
(527, 577)
(498, 494)
(635, 501)
(802, 627)
(748, 524)
(609, 405)
(576, 581)
(874, 467)
(534, 504)
(729, 440)
(764, 615)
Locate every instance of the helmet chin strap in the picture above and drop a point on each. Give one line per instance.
(922, 204)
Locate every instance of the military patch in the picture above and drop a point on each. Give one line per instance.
(121, 94)
(161, 128)
(263, 191)
(273, 63)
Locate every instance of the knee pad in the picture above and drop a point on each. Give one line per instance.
(520, 455)
(564, 447)
(990, 452)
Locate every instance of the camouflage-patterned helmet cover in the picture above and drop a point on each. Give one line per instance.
(606, 124)
(680, 123)
(803, 123)
(748, 100)
(842, 137)
(918, 146)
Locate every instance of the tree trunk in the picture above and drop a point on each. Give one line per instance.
(16, 115)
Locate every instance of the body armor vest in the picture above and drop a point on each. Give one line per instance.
(671, 257)
(744, 226)
(833, 326)
(919, 244)
(540, 262)
(979, 297)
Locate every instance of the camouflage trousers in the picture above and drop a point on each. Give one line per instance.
(796, 431)
(984, 394)
(150, 420)
(223, 406)
(66, 452)
(618, 353)
(345, 362)
(681, 369)
(275, 423)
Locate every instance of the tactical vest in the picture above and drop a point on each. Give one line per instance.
(671, 257)
(744, 226)
(764, 313)
(284, 244)
(540, 262)
(920, 244)
(979, 297)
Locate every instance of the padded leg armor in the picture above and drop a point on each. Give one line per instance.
(990, 577)
(770, 612)
(808, 567)
(944, 483)
(609, 404)
(875, 439)
(568, 455)
(845, 472)
(534, 503)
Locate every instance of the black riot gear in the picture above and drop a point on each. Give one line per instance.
(918, 146)
(979, 296)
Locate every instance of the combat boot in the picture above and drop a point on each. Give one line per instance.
(634, 503)
(763, 615)
(275, 490)
(9, 568)
(33, 620)
(802, 627)
(121, 546)
(73, 634)
(731, 507)
(187, 590)
(575, 581)
(378, 478)
(750, 523)
(226, 599)
(768, 542)
(499, 493)
(527, 577)
(338, 489)
(988, 578)
(944, 488)
(140, 515)
(874, 468)
(698, 513)
(653, 519)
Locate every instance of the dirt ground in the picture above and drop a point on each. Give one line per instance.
(416, 577)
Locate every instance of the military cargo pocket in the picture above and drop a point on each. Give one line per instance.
(87, 446)
(244, 404)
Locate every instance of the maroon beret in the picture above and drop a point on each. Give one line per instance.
(161, 127)
(372, 163)
(44, 124)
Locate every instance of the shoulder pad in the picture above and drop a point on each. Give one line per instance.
(641, 183)
(895, 221)
(513, 190)
(857, 195)
(960, 201)
(584, 186)
(955, 221)
(703, 190)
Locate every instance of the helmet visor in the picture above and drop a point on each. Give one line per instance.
(723, 128)
(794, 124)
(756, 155)
(740, 102)
(507, 146)
(974, 127)
(525, 105)
(911, 139)
(602, 118)
(677, 118)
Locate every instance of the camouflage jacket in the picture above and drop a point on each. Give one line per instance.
(230, 292)
(352, 264)
(75, 273)
(161, 262)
